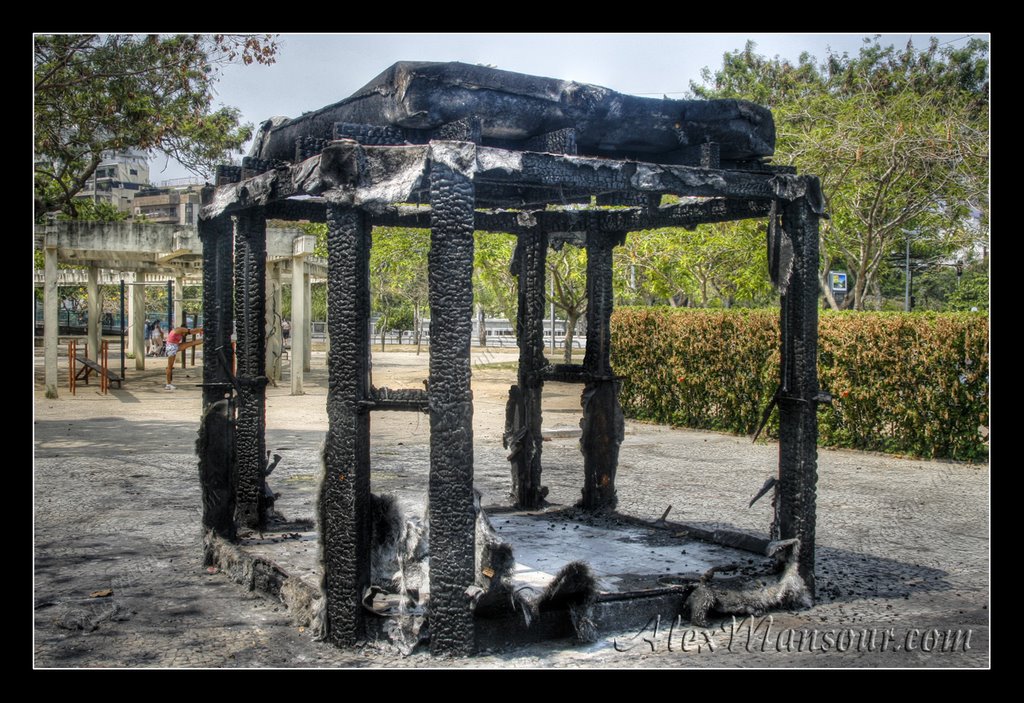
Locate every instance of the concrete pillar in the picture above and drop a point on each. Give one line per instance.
(345, 517)
(299, 321)
(307, 329)
(179, 305)
(137, 314)
(250, 329)
(130, 332)
(50, 320)
(273, 322)
(523, 425)
(603, 423)
(452, 517)
(94, 327)
(798, 398)
(217, 431)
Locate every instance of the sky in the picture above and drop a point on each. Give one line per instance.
(314, 70)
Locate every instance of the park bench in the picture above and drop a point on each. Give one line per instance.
(89, 366)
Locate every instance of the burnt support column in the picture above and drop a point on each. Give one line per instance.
(250, 311)
(452, 517)
(523, 414)
(216, 434)
(345, 492)
(798, 422)
(603, 424)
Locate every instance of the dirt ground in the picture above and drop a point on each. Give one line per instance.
(903, 545)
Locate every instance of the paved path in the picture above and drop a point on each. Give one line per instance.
(903, 545)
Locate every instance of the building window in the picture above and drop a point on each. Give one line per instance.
(133, 171)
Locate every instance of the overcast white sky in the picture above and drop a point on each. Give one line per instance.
(314, 70)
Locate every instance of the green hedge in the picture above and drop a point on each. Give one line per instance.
(914, 384)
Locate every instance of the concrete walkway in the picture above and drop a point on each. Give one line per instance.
(903, 545)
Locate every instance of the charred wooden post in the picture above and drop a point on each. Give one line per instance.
(523, 413)
(345, 492)
(250, 310)
(603, 424)
(216, 442)
(451, 513)
(798, 397)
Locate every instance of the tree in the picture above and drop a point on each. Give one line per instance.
(716, 264)
(398, 279)
(971, 292)
(95, 94)
(568, 271)
(92, 211)
(899, 139)
(494, 284)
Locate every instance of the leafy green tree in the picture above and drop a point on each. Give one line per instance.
(717, 264)
(494, 286)
(971, 291)
(92, 211)
(568, 290)
(899, 138)
(98, 93)
(398, 278)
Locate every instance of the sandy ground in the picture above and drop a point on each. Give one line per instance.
(903, 545)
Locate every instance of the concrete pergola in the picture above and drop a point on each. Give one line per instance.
(149, 254)
(458, 148)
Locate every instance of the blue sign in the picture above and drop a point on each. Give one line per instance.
(837, 280)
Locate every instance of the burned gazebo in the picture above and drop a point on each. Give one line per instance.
(459, 148)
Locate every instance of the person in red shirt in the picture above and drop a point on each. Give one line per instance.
(175, 342)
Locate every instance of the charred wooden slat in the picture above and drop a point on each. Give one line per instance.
(397, 399)
(567, 373)
(376, 135)
(226, 173)
(561, 141)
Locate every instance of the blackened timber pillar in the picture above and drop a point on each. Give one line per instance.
(798, 422)
(250, 311)
(523, 416)
(603, 424)
(216, 442)
(451, 513)
(344, 509)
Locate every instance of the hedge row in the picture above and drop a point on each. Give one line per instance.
(912, 384)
